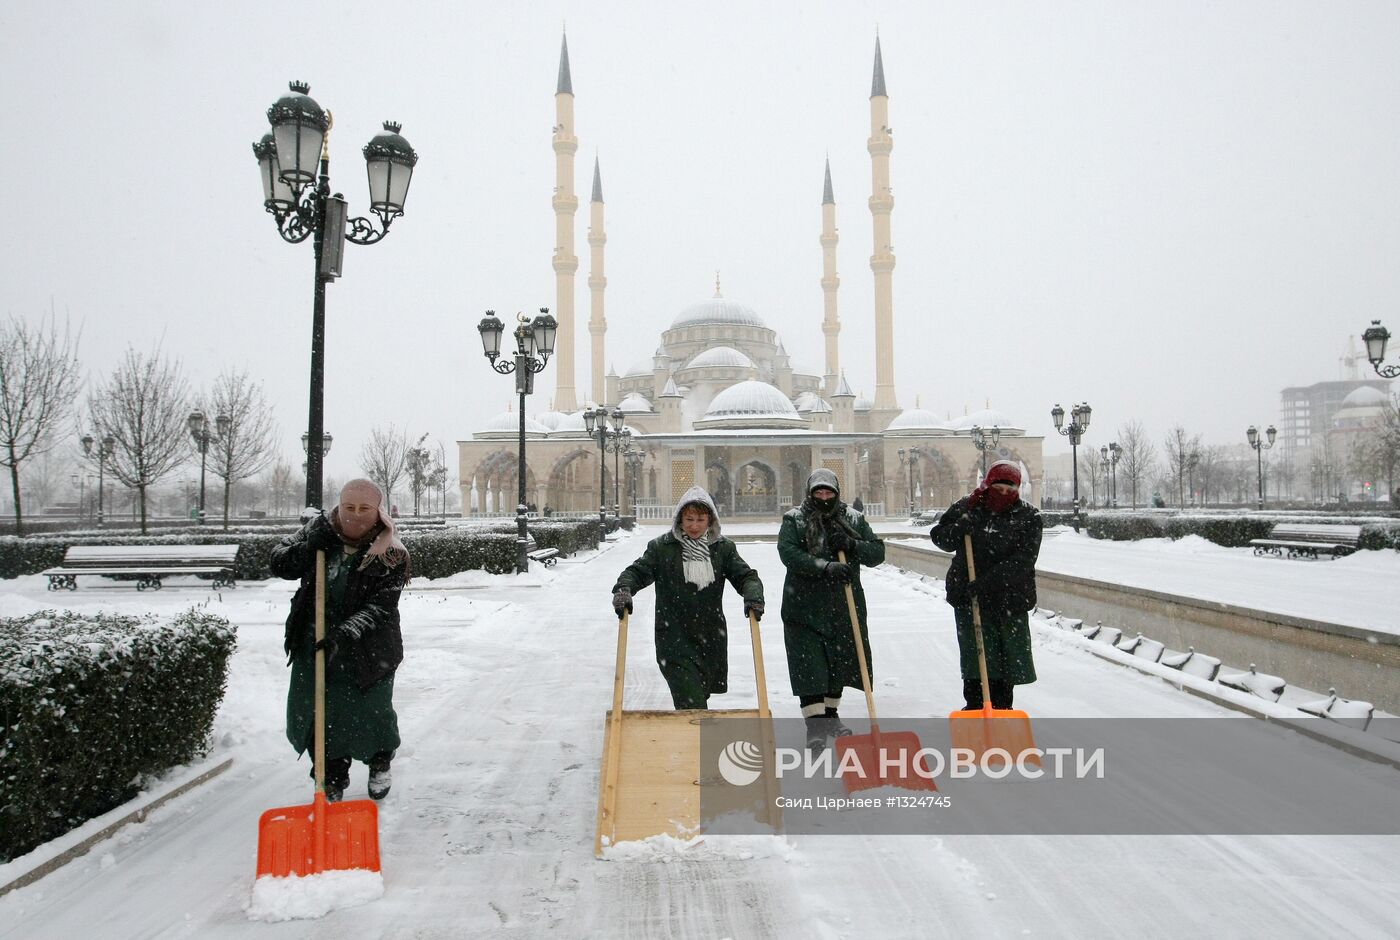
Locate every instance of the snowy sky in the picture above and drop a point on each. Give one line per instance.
(1170, 210)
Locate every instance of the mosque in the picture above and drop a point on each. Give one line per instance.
(720, 403)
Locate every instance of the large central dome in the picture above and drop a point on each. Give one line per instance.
(751, 404)
(717, 310)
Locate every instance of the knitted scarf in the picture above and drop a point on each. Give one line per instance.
(695, 557)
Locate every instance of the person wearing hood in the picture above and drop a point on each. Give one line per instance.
(367, 567)
(821, 647)
(689, 566)
(1005, 534)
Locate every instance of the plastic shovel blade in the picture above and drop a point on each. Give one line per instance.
(981, 730)
(287, 838)
(882, 759)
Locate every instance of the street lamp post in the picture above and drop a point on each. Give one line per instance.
(77, 480)
(634, 459)
(1109, 455)
(297, 193)
(326, 439)
(595, 422)
(619, 442)
(104, 451)
(1078, 424)
(985, 440)
(202, 436)
(1376, 337)
(910, 460)
(1259, 447)
(534, 344)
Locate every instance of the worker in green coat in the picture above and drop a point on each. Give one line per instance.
(689, 566)
(821, 647)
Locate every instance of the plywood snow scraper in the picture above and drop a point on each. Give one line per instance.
(652, 763)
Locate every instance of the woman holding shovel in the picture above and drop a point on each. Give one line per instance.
(1005, 544)
(689, 566)
(366, 569)
(821, 647)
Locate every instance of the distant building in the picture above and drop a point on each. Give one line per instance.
(1318, 425)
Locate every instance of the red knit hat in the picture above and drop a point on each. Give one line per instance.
(1003, 471)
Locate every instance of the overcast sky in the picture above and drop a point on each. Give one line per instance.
(1171, 210)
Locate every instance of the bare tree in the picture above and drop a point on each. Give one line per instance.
(279, 485)
(38, 381)
(1177, 448)
(243, 446)
(143, 405)
(1089, 473)
(1138, 458)
(384, 457)
(420, 471)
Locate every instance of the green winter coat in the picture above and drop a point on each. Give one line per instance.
(821, 648)
(692, 641)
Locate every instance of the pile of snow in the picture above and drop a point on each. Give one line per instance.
(312, 896)
(666, 848)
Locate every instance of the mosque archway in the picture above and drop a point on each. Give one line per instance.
(756, 489)
(573, 482)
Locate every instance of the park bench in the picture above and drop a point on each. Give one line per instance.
(148, 564)
(1308, 540)
(545, 556)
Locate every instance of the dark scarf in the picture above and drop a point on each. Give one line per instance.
(822, 517)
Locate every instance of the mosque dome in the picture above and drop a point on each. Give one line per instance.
(569, 425)
(1366, 396)
(634, 404)
(722, 356)
(863, 404)
(986, 418)
(507, 425)
(550, 419)
(918, 419)
(751, 404)
(719, 311)
(641, 367)
(819, 406)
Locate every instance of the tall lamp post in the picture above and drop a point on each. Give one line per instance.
(1376, 337)
(1109, 455)
(910, 460)
(78, 481)
(634, 460)
(294, 162)
(595, 422)
(104, 451)
(985, 440)
(203, 436)
(534, 344)
(326, 439)
(618, 443)
(1259, 447)
(1078, 424)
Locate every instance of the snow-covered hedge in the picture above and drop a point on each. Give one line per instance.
(437, 554)
(568, 537)
(1232, 531)
(91, 705)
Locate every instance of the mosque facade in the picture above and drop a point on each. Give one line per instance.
(721, 404)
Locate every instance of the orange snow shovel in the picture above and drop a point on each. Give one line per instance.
(881, 759)
(324, 836)
(980, 730)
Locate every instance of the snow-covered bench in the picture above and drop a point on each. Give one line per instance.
(1350, 712)
(1308, 540)
(1257, 683)
(147, 563)
(545, 556)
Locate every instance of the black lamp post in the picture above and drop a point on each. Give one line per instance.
(294, 162)
(595, 422)
(985, 440)
(1109, 455)
(326, 439)
(634, 459)
(1376, 337)
(618, 443)
(1259, 447)
(202, 436)
(104, 451)
(910, 459)
(534, 344)
(1078, 424)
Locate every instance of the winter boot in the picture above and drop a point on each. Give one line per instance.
(835, 727)
(337, 778)
(380, 778)
(817, 733)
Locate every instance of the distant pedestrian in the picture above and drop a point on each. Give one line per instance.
(366, 569)
(857, 505)
(1005, 534)
(689, 566)
(821, 646)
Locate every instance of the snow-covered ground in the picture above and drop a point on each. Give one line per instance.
(490, 824)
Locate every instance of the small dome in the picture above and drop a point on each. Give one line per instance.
(569, 425)
(804, 401)
(726, 356)
(635, 404)
(551, 419)
(717, 310)
(819, 407)
(864, 404)
(1364, 397)
(917, 419)
(644, 367)
(986, 418)
(751, 404)
(507, 424)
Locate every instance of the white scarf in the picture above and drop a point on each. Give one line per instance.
(695, 557)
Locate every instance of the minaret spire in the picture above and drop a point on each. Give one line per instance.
(831, 325)
(597, 282)
(880, 144)
(565, 206)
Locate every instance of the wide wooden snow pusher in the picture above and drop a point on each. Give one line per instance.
(652, 761)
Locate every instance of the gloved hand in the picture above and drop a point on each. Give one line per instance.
(837, 571)
(622, 601)
(331, 643)
(755, 608)
(320, 535)
(838, 540)
(338, 635)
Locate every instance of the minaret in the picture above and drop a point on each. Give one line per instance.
(565, 261)
(882, 261)
(597, 325)
(831, 326)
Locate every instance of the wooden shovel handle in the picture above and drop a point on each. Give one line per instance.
(977, 627)
(614, 754)
(860, 649)
(765, 724)
(320, 739)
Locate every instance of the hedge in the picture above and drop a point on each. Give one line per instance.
(1231, 530)
(91, 705)
(568, 537)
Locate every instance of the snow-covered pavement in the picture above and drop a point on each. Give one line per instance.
(490, 824)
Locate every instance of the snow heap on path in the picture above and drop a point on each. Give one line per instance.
(312, 896)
